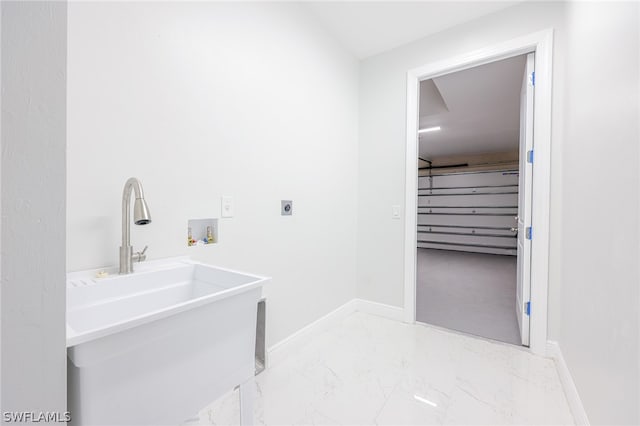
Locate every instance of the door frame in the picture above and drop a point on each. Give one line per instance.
(542, 44)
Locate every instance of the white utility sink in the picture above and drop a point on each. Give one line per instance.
(157, 345)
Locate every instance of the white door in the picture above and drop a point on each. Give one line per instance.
(524, 203)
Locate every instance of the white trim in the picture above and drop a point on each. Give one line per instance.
(289, 344)
(411, 199)
(292, 343)
(570, 390)
(380, 309)
(542, 43)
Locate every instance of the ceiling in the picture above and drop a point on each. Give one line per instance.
(478, 110)
(371, 27)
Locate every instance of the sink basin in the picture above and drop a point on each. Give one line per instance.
(155, 346)
(97, 307)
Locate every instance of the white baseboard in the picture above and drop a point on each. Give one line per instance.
(298, 339)
(379, 309)
(570, 390)
(301, 337)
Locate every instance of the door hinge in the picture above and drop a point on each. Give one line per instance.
(532, 79)
(527, 308)
(529, 233)
(530, 156)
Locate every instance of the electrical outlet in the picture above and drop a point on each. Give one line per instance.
(286, 207)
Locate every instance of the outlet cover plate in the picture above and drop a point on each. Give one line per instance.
(286, 207)
(395, 212)
(227, 206)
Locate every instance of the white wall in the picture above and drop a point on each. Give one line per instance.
(0, 204)
(599, 317)
(200, 100)
(593, 277)
(33, 140)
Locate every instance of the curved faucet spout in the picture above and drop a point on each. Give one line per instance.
(141, 216)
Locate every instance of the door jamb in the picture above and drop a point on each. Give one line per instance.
(542, 44)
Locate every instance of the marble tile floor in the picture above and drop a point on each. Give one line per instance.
(370, 370)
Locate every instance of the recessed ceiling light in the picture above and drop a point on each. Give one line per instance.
(429, 129)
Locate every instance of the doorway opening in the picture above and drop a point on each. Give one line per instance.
(541, 44)
(474, 200)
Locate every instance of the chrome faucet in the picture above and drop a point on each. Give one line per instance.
(141, 216)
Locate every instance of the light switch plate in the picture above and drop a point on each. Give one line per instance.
(395, 212)
(228, 208)
(286, 207)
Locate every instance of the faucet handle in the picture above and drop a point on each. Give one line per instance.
(140, 256)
